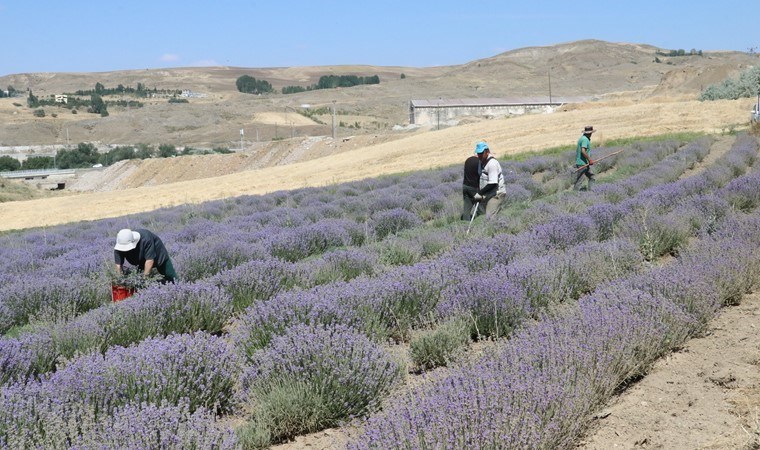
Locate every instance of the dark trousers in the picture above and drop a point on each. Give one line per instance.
(468, 192)
(579, 174)
(167, 270)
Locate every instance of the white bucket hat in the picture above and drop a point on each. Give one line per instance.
(126, 240)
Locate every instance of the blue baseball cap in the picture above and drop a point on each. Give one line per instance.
(480, 147)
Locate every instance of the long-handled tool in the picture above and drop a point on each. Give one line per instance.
(473, 213)
(597, 160)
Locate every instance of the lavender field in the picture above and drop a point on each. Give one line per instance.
(323, 307)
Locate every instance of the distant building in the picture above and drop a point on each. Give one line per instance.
(61, 98)
(435, 112)
(187, 93)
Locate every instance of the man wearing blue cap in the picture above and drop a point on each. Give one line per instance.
(491, 187)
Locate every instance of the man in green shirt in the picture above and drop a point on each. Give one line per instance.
(583, 161)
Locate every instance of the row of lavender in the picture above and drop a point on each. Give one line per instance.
(275, 344)
(161, 311)
(53, 275)
(515, 420)
(553, 262)
(538, 389)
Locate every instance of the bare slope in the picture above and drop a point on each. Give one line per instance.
(586, 68)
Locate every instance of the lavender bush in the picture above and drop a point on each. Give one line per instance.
(392, 221)
(46, 424)
(340, 265)
(256, 280)
(342, 373)
(550, 377)
(440, 345)
(199, 368)
(554, 369)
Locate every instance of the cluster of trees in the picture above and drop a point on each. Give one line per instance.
(11, 92)
(250, 85)
(333, 81)
(87, 155)
(8, 163)
(94, 105)
(681, 52)
(139, 91)
(747, 85)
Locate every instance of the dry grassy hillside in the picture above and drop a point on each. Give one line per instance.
(591, 69)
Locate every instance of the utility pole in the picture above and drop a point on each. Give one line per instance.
(241, 139)
(550, 85)
(333, 120)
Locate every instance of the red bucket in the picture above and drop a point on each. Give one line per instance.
(119, 293)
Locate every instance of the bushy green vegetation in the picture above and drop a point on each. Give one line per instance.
(11, 92)
(139, 91)
(747, 85)
(333, 81)
(95, 104)
(441, 345)
(680, 52)
(8, 163)
(250, 85)
(38, 162)
(85, 155)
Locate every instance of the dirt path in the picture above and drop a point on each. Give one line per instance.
(706, 396)
(718, 149)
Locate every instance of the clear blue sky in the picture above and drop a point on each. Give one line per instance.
(95, 36)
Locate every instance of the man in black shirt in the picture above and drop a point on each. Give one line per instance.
(470, 186)
(145, 250)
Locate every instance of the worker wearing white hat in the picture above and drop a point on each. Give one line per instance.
(145, 250)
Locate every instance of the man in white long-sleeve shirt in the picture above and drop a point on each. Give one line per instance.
(492, 190)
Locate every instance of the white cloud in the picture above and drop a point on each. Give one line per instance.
(170, 57)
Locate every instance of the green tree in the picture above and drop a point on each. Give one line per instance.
(166, 151)
(8, 163)
(98, 106)
(32, 101)
(293, 89)
(250, 85)
(117, 154)
(37, 162)
(144, 151)
(99, 88)
(85, 155)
